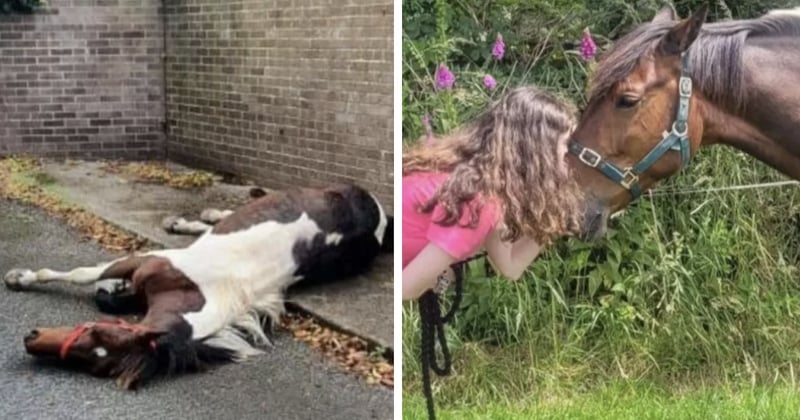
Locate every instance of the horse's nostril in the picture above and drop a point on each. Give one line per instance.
(32, 335)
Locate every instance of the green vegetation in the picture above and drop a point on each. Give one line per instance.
(696, 292)
(633, 402)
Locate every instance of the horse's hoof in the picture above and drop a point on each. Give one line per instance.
(171, 222)
(122, 303)
(210, 216)
(18, 278)
(112, 286)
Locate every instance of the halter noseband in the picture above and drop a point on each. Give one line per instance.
(677, 139)
(82, 328)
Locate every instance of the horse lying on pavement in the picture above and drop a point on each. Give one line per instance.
(208, 303)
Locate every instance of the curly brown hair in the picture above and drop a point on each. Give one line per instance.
(511, 154)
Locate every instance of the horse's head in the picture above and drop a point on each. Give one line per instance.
(103, 348)
(632, 134)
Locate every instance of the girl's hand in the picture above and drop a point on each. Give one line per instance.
(511, 259)
(421, 273)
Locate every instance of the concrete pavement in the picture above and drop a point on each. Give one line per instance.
(288, 382)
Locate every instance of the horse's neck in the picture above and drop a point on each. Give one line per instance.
(769, 127)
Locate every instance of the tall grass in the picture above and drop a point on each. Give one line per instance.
(685, 288)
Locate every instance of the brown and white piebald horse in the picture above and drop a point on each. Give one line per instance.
(210, 302)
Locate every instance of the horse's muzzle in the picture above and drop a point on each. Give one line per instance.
(45, 341)
(595, 222)
(32, 335)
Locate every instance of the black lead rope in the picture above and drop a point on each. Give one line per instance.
(432, 330)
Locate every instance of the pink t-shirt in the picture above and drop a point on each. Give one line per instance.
(419, 229)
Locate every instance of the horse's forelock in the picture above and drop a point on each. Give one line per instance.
(618, 62)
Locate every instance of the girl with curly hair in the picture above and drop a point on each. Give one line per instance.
(501, 184)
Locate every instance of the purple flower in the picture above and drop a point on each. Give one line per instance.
(426, 122)
(588, 47)
(499, 48)
(444, 78)
(489, 82)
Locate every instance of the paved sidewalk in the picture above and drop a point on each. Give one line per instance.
(362, 306)
(288, 382)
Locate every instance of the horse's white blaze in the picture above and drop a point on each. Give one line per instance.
(380, 231)
(333, 238)
(100, 351)
(240, 272)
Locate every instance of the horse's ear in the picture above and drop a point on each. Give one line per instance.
(666, 14)
(257, 192)
(679, 38)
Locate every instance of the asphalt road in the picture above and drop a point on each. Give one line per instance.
(288, 382)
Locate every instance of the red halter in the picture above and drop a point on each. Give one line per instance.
(82, 328)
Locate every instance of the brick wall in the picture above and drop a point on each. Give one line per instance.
(83, 79)
(285, 92)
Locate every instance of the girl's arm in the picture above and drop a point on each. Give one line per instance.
(511, 259)
(421, 273)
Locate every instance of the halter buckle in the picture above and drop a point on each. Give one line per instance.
(590, 157)
(685, 87)
(629, 178)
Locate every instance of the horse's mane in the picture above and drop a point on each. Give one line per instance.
(715, 58)
(174, 354)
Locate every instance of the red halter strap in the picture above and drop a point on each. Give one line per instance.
(82, 328)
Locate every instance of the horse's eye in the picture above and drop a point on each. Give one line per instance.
(627, 101)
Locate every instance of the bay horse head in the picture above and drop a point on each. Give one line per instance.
(103, 348)
(637, 127)
(671, 86)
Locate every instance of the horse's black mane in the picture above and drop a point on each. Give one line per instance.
(175, 353)
(715, 58)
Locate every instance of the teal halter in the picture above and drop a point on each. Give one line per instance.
(677, 139)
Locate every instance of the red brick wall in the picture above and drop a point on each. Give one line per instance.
(286, 92)
(83, 79)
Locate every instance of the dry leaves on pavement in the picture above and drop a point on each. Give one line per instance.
(13, 186)
(349, 351)
(158, 172)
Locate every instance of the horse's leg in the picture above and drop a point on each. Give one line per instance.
(213, 216)
(208, 218)
(179, 225)
(112, 297)
(122, 268)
